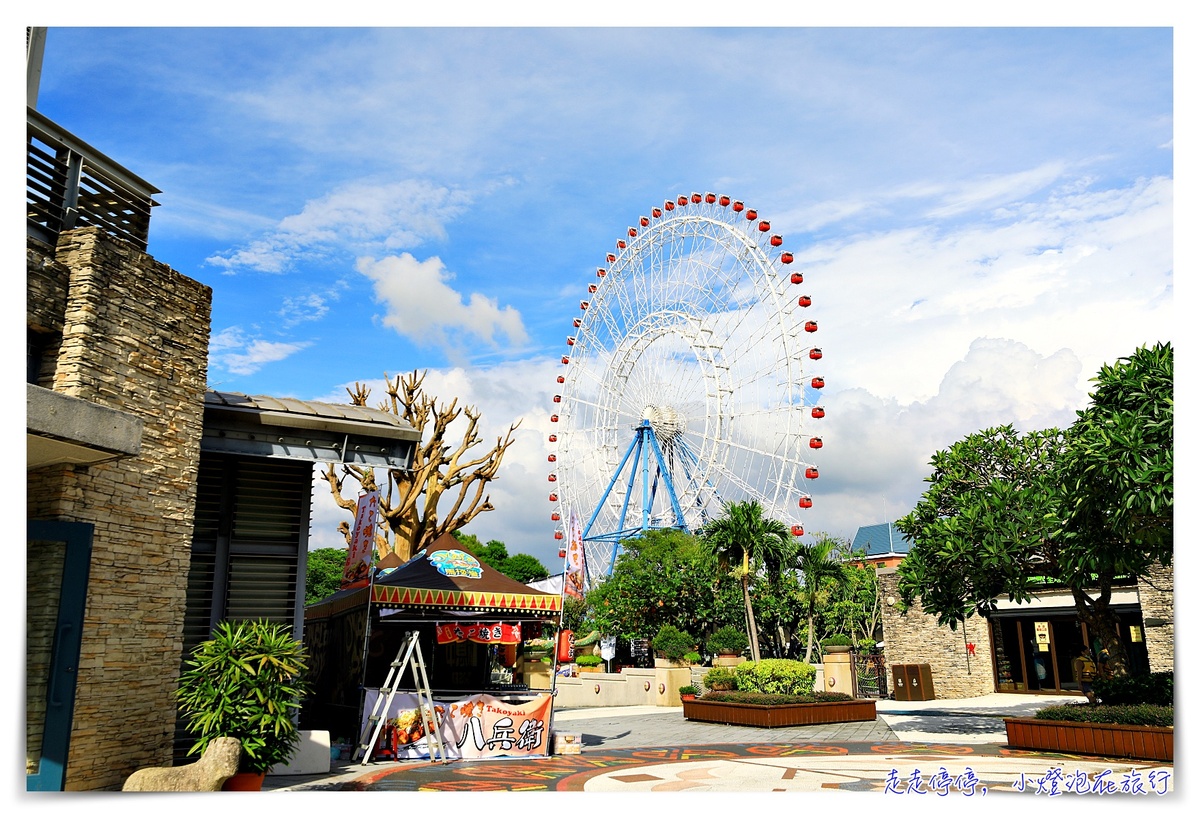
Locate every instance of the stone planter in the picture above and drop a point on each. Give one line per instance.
(779, 715)
(1109, 740)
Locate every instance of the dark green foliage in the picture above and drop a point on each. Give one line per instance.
(689, 690)
(323, 576)
(521, 567)
(727, 638)
(754, 697)
(524, 568)
(662, 577)
(786, 676)
(1140, 715)
(838, 639)
(1145, 688)
(247, 683)
(673, 643)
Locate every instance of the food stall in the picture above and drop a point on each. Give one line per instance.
(471, 621)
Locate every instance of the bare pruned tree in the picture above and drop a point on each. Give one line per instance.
(441, 470)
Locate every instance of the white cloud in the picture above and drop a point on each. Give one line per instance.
(231, 350)
(356, 217)
(423, 307)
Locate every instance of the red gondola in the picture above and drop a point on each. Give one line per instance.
(811, 473)
(560, 379)
(644, 221)
(555, 516)
(815, 353)
(668, 206)
(683, 200)
(577, 322)
(818, 411)
(815, 443)
(552, 458)
(776, 240)
(554, 418)
(724, 200)
(583, 305)
(764, 226)
(621, 244)
(797, 531)
(710, 197)
(788, 258)
(805, 301)
(656, 212)
(566, 360)
(592, 288)
(553, 497)
(552, 478)
(611, 258)
(806, 502)
(738, 207)
(553, 438)
(797, 278)
(632, 232)
(558, 535)
(696, 198)
(818, 382)
(751, 214)
(558, 398)
(810, 326)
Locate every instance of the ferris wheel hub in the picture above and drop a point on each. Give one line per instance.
(666, 422)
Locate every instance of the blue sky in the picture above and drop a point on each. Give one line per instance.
(985, 215)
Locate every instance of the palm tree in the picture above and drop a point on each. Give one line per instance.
(745, 534)
(817, 562)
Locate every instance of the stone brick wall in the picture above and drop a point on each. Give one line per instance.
(915, 637)
(1157, 596)
(135, 338)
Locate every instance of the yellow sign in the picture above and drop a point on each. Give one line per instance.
(1041, 630)
(1135, 633)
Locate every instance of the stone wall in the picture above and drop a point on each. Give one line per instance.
(1156, 594)
(134, 338)
(914, 637)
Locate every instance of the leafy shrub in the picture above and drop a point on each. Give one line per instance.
(1141, 715)
(752, 697)
(693, 658)
(1145, 688)
(720, 678)
(689, 690)
(246, 682)
(673, 643)
(589, 660)
(837, 640)
(787, 676)
(727, 639)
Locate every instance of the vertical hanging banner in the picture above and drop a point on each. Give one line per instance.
(357, 572)
(573, 577)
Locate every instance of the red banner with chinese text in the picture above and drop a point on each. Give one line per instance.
(494, 634)
(480, 726)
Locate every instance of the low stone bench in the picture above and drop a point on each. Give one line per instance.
(217, 765)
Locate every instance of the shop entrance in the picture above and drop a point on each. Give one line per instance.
(1035, 653)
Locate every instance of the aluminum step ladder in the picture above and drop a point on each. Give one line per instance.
(408, 655)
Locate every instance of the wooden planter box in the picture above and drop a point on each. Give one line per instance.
(779, 715)
(1110, 740)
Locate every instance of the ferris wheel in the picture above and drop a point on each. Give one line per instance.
(683, 383)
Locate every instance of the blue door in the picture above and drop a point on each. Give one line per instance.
(57, 558)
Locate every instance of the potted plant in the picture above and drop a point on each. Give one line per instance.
(727, 640)
(672, 644)
(838, 643)
(688, 692)
(246, 682)
(693, 658)
(720, 678)
(590, 662)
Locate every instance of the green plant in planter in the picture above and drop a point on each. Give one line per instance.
(673, 643)
(838, 640)
(246, 682)
(727, 639)
(589, 660)
(720, 678)
(786, 676)
(689, 690)
(693, 658)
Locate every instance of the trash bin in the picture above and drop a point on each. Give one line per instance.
(913, 683)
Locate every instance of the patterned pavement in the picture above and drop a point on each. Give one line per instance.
(940, 749)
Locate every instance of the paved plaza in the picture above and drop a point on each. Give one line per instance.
(942, 749)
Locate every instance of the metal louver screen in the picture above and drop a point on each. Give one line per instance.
(261, 587)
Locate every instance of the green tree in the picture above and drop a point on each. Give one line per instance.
(662, 577)
(820, 565)
(1007, 513)
(524, 568)
(853, 607)
(323, 575)
(743, 534)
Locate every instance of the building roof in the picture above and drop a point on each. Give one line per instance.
(264, 426)
(880, 540)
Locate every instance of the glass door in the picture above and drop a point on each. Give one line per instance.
(57, 558)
